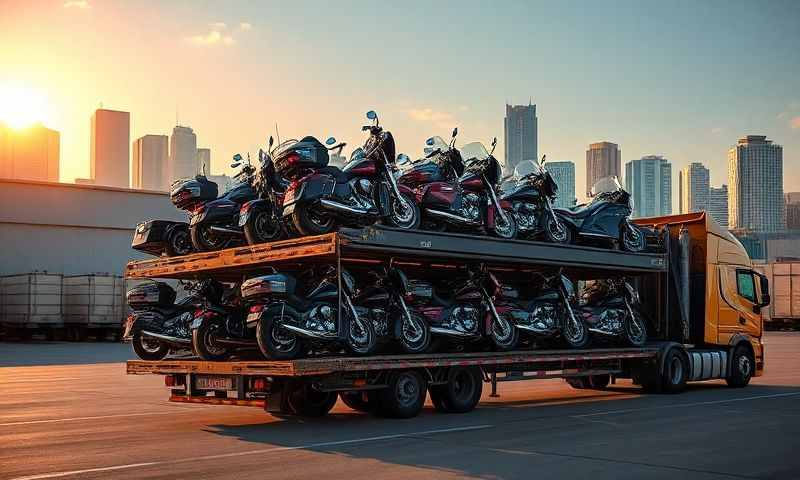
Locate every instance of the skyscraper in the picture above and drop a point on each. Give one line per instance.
(204, 160)
(521, 135)
(718, 205)
(603, 159)
(182, 154)
(564, 175)
(755, 185)
(110, 148)
(693, 185)
(150, 162)
(792, 210)
(649, 181)
(30, 153)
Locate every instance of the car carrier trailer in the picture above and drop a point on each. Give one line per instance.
(701, 326)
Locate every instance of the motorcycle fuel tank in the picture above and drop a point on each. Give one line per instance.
(471, 181)
(420, 174)
(361, 167)
(439, 194)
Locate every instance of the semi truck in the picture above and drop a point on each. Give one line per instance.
(703, 302)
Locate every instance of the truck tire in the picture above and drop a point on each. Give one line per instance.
(306, 401)
(461, 393)
(742, 367)
(591, 382)
(359, 401)
(147, 348)
(404, 395)
(203, 340)
(674, 374)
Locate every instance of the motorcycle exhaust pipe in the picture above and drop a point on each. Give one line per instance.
(538, 331)
(603, 332)
(236, 342)
(224, 230)
(310, 333)
(167, 338)
(339, 207)
(447, 216)
(452, 333)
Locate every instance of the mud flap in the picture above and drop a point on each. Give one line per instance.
(278, 398)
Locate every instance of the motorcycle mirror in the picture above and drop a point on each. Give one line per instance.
(237, 157)
(330, 141)
(544, 159)
(455, 132)
(494, 144)
(372, 115)
(402, 158)
(429, 142)
(235, 164)
(271, 141)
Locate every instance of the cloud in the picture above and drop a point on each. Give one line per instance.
(245, 26)
(429, 115)
(82, 4)
(214, 37)
(795, 123)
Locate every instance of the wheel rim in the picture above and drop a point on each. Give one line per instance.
(504, 228)
(403, 212)
(182, 243)
(503, 331)
(282, 339)
(407, 390)
(632, 238)
(574, 331)
(635, 330)
(413, 331)
(320, 220)
(149, 345)
(557, 230)
(676, 371)
(209, 340)
(463, 385)
(359, 335)
(209, 238)
(744, 366)
(264, 227)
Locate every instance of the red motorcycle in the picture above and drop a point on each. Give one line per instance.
(454, 194)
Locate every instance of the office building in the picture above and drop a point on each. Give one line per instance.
(182, 154)
(30, 153)
(204, 160)
(521, 135)
(718, 204)
(603, 159)
(564, 175)
(792, 210)
(150, 162)
(649, 181)
(693, 188)
(110, 148)
(755, 185)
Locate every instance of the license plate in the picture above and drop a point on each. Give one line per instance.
(253, 317)
(213, 383)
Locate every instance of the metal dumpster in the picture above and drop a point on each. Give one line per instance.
(31, 300)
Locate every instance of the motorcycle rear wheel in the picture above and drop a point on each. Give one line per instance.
(276, 342)
(203, 340)
(632, 239)
(179, 243)
(204, 240)
(261, 227)
(148, 348)
(312, 222)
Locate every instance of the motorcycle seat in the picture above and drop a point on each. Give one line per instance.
(580, 211)
(341, 176)
(438, 301)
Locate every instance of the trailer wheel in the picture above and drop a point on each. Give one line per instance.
(742, 366)
(461, 393)
(359, 401)
(591, 382)
(404, 395)
(306, 401)
(676, 368)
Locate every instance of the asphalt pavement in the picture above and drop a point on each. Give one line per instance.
(70, 411)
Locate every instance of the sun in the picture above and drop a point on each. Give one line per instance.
(21, 107)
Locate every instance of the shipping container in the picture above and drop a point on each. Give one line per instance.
(31, 300)
(94, 301)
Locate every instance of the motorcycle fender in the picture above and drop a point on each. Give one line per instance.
(383, 199)
(406, 190)
(127, 335)
(244, 212)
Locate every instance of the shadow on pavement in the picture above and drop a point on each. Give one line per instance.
(29, 354)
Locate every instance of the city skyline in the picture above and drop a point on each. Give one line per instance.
(699, 101)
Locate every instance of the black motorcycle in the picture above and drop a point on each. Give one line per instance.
(362, 193)
(612, 310)
(288, 324)
(162, 238)
(220, 328)
(468, 315)
(261, 219)
(549, 314)
(384, 302)
(158, 325)
(214, 224)
(531, 197)
(606, 218)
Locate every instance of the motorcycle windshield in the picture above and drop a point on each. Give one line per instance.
(436, 143)
(607, 186)
(474, 151)
(524, 173)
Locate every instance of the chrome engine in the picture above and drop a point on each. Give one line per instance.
(610, 322)
(362, 193)
(321, 318)
(526, 216)
(463, 319)
(471, 207)
(544, 317)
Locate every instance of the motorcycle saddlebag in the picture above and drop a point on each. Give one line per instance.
(151, 294)
(308, 153)
(152, 236)
(187, 191)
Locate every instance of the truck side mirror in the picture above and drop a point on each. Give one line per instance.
(764, 284)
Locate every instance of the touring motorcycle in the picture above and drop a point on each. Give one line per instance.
(531, 197)
(363, 192)
(606, 218)
(612, 310)
(261, 218)
(220, 329)
(454, 194)
(158, 324)
(289, 324)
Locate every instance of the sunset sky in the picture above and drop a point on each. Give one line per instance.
(681, 79)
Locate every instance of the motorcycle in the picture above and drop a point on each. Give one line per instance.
(612, 309)
(261, 218)
(220, 328)
(384, 302)
(162, 238)
(606, 217)
(469, 315)
(547, 315)
(214, 224)
(157, 324)
(288, 325)
(363, 192)
(531, 197)
(456, 195)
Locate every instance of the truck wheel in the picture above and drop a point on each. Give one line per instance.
(404, 395)
(306, 401)
(310, 221)
(276, 342)
(148, 348)
(461, 393)
(591, 382)
(676, 369)
(742, 366)
(179, 242)
(261, 227)
(204, 340)
(357, 400)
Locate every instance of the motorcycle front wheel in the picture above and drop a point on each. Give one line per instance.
(575, 334)
(557, 231)
(361, 339)
(261, 227)
(312, 221)
(204, 240)
(505, 229)
(405, 215)
(635, 330)
(504, 334)
(415, 336)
